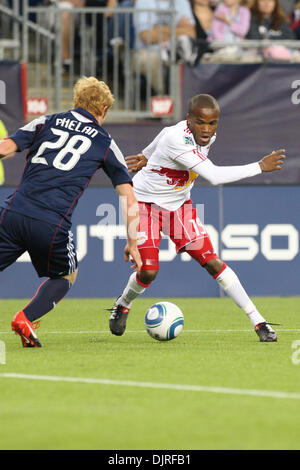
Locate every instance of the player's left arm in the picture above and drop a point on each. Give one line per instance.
(229, 174)
(7, 148)
(26, 135)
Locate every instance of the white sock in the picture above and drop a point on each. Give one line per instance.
(131, 291)
(231, 285)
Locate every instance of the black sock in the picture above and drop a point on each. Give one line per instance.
(47, 296)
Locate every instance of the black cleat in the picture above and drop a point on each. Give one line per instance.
(118, 319)
(265, 332)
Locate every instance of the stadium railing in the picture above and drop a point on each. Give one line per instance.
(104, 46)
(252, 50)
(98, 45)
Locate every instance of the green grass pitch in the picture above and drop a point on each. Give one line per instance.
(217, 348)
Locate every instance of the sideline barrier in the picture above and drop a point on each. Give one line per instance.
(259, 240)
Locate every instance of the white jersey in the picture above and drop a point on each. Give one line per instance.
(174, 162)
(168, 178)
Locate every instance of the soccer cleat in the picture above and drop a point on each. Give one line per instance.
(265, 332)
(25, 329)
(118, 319)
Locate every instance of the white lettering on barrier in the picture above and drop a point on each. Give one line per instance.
(244, 248)
(238, 239)
(108, 233)
(295, 98)
(2, 92)
(279, 230)
(82, 246)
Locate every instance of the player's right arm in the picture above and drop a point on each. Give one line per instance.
(115, 167)
(138, 161)
(7, 148)
(131, 216)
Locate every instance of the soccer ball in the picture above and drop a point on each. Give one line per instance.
(164, 321)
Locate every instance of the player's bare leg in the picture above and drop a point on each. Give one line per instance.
(230, 283)
(45, 299)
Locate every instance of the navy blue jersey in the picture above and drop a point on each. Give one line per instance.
(65, 150)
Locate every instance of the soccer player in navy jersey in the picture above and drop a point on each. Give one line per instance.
(64, 152)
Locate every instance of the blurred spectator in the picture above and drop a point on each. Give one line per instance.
(203, 14)
(102, 40)
(268, 21)
(153, 34)
(3, 133)
(47, 20)
(231, 22)
(121, 28)
(70, 18)
(66, 20)
(295, 20)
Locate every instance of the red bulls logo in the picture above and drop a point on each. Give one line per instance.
(177, 178)
(174, 177)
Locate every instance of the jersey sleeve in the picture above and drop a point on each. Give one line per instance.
(25, 136)
(115, 166)
(150, 149)
(189, 159)
(225, 174)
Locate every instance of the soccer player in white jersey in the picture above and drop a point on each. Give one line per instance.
(170, 164)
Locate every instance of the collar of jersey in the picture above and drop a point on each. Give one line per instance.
(86, 114)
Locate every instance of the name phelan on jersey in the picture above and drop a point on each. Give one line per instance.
(76, 126)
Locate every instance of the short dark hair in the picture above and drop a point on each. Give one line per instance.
(203, 101)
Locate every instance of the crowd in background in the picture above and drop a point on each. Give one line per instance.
(198, 23)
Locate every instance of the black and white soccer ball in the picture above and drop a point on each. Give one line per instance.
(164, 321)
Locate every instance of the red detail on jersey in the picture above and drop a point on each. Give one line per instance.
(187, 130)
(174, 177)
(196, 152)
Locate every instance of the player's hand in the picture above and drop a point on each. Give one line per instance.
(272, 162)
(132, 253)
(136, 162)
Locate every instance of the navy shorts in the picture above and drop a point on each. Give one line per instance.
(50, 247)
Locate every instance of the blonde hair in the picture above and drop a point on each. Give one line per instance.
(92, 95)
